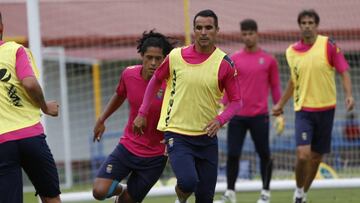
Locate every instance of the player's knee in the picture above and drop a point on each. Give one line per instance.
(265, 158)
(187, 185)
(99, 193)
(268, 161)
(316, 158)
(50, 199)
(303, 157)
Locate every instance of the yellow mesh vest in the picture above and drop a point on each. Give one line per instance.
(312, 75)
(192, 94)
(17, 111)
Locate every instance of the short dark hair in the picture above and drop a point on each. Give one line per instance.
(311, 13)
(248, 25)
(207, 13)
(154, 39)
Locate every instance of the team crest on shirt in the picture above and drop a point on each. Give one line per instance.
(109, 168)
(304, 136)
(160, 93)
(261, 60)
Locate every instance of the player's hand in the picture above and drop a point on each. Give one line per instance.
(279, 124)
(139, 124)
(277, 110)
(212, 128)
(163, 141)
(350, 103)
(99, 130)
(52, 108)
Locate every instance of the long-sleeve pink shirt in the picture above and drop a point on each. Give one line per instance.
(226, 78)
(132, 86)
(258, 74)
(23, 69)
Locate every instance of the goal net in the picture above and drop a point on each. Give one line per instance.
(87, 44)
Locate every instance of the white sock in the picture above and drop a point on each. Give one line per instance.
(265, 192)
(123, 188)
(304, 195)
(299, 192)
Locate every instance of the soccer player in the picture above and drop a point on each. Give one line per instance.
(197, 76)
(313, 61)
(258, 73)
(22, 138)
(140, 156)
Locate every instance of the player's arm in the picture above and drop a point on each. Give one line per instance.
(161, 73)
(336, 58)
(278, 108)
(228, 80)
(346, 82)
(115, 102)
(274, 80)
(25, 74)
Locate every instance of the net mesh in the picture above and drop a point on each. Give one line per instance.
(105, 32)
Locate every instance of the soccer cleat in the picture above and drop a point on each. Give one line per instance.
(228, 197)
(264, 197)
(299, 196)
(298, 200)
(178, 201)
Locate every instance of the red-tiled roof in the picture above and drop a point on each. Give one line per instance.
(83, 23)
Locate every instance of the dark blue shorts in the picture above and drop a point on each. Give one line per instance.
(144, 171)
(34, 156)
(314, 128)
(194, 160)
(259, 131)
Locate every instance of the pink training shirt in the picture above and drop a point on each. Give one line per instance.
(132, 86)
(225, 75)
(23, 70)
(335, 58)
(258, 73)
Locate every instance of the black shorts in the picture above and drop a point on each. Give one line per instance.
(34, 156)
(314, 128)
(144, 171)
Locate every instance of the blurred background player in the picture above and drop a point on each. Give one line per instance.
(197, 76)
(22, 138)
(140, 156)
(258, 73)
(313, 61)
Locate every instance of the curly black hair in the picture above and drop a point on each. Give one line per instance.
(155, 39)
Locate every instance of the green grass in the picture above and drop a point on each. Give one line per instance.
(347, 195)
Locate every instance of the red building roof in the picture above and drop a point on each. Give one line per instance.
(108, 29)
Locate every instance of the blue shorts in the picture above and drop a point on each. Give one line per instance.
(144, 171)
(314, 128)
(194, 160)
(34, 156)
(259, 131)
